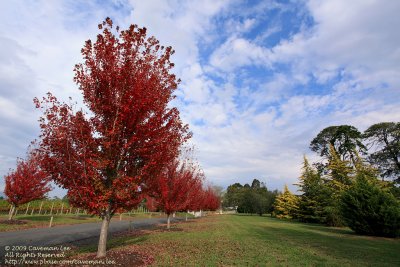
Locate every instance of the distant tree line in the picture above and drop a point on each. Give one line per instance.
(356, 182)
(254, 199)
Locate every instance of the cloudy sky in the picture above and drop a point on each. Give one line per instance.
(259, 78)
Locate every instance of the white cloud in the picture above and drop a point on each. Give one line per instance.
(360, 37)
(238, 52)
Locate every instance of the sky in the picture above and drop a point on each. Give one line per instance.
(260, 79)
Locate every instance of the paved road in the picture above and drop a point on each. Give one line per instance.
(70, 233)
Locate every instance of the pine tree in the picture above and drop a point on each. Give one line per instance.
(313, 200)
(370, 209)
(339, 178)
(340, 173)
(286, 205)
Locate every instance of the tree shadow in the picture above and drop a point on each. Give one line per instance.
(334, 242)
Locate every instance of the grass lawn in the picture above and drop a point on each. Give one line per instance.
(233, 240)
(35, 221)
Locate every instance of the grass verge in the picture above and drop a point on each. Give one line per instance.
(232, 240)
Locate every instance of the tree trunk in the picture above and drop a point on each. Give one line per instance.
(11, 214)
(186, 217)
(52, 206)
(27, 208)
(102, 247)
(168, 220)
(40, 209)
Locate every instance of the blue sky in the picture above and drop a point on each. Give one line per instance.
(259, 78)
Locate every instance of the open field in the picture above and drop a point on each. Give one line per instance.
(230, 240)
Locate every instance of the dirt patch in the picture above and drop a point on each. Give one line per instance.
(14, 222)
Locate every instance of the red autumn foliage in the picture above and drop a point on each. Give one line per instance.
(172, 187)
(106, 157)
(177, 187)
(151, 203)
(27, 182)
(194, 195)
(102, 159)
(210, 200)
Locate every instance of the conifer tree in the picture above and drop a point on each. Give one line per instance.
(286, 205)
(313, 200)
(338, 180)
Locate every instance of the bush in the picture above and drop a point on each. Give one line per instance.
(369, 209)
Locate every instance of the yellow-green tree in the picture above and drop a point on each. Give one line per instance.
(286, 205)
(313, 198)
(338, 179)
(340, 173)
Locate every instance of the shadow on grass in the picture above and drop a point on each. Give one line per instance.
(333, 242)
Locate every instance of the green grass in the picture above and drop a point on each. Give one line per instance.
(232, 240)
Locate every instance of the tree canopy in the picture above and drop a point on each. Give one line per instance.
(344, 139)
(27, 182)
(384, 139)
(107, 156)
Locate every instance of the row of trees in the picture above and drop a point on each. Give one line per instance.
(250, 199)
(344, 188)
(180, 188)
(125, 144)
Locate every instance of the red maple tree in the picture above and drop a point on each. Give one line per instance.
(107, 156)
(170, 189)
(211, 200)
(194, 194)
(151, 203)
(26, 183)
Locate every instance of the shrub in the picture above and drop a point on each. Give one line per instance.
(369, 209)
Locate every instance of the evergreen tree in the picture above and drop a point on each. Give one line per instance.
(313, 200)
(339, 178)
(384, 139)
(250, 199)
(286, 205)
(370, 209)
